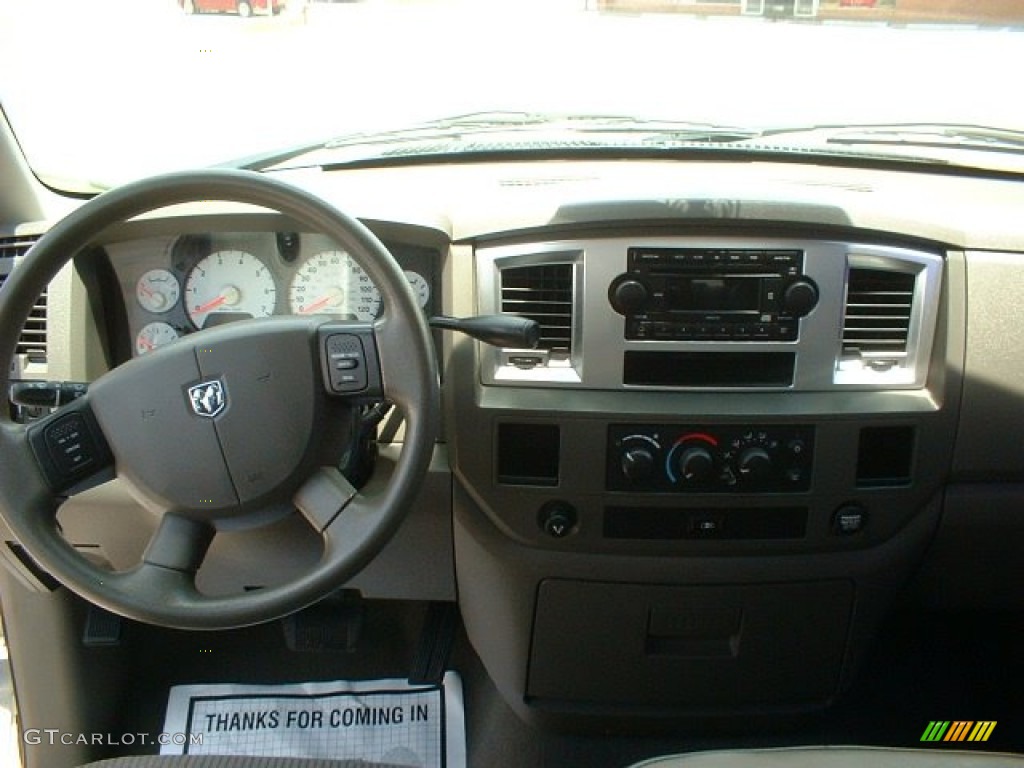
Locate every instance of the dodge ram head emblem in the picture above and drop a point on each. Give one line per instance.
(208, 399)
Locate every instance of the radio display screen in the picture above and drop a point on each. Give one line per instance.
(714, 294)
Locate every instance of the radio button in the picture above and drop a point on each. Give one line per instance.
(628, 295)
(648, 257)
(639, 330)
(800, 297)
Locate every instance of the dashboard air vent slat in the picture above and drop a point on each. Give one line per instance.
(541, 292)
(33, 340)
(879, 306)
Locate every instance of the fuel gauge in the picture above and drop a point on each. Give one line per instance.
(157, 291)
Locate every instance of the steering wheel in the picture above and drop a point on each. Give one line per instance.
(224, 426)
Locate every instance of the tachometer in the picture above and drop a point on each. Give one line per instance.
(332, 283)
(229, 282)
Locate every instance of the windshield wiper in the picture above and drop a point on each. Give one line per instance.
(502, 135)
(494, 132)
(917, 135)
(481, 123)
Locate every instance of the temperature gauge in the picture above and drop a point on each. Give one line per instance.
(157, 291)
(420, 287)
(154, 335)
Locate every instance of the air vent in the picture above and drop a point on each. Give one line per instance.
(32, 342)
(541, 292)
(879, 305)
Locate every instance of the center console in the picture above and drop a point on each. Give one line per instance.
(702, 491)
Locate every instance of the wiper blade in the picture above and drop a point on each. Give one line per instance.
(488, 132)
(923, 135)
(481, 123)
(263, 160)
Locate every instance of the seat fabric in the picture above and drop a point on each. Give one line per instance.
(837, 757)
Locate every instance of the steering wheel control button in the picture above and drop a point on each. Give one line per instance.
(558, 519)
(348, 370)
(349, 360)
(849, 519)
(69, 447)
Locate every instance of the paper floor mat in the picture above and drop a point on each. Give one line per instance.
(383, 721)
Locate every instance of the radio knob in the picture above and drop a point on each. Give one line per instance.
(637, 464)
(800, 297)
(629, 296)
(696, 464)
(755, 464)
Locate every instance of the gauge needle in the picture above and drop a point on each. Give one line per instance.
(332, 298)
(147, 344)
(212, 304)
(229, 295)
(310, 308)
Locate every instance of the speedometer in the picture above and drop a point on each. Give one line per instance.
(229, 283)
(332, 283)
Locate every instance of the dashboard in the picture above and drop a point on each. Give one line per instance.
(770, 400)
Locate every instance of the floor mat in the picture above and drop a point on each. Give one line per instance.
(382, 721)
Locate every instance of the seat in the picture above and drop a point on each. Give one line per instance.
(228, 761)
(836, 757)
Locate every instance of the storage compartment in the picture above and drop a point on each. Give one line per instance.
(689, 648)
(884, 456)
(528, 454)
(709, 369)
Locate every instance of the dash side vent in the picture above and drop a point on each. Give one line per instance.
(33, 340)
(877, 317)
(542, 292)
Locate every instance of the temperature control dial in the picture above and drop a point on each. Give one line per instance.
(693, 459)
(695, 464)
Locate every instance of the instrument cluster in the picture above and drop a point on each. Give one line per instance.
(177, 286)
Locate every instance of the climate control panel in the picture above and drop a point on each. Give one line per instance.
(709, 459)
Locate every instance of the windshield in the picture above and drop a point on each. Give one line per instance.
(104, 91)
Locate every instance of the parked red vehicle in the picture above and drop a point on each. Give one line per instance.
(243, 8)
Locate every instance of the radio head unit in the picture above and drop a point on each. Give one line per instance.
(716, 294)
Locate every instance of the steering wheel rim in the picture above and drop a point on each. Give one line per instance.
(161, 589)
